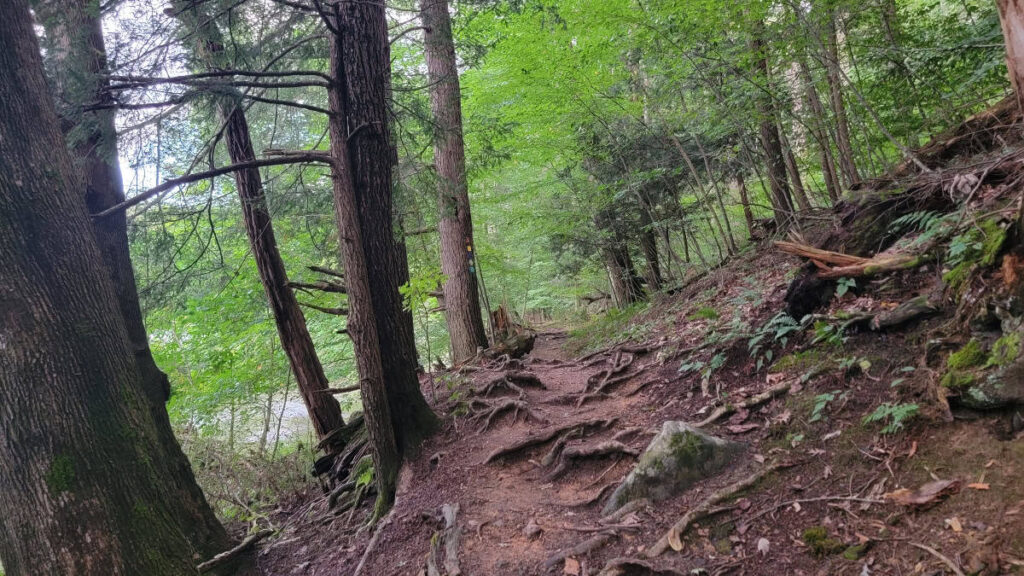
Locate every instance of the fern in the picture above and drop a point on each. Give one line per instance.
(894, 415)
(920, 221)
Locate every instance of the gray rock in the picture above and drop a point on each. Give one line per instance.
(679, 456)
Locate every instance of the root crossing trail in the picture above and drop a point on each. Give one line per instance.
(544, 441)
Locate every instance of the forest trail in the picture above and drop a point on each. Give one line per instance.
(537, 510)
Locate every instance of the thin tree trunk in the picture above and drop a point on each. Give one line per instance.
(74, 41)
(83, 489)
(324, 410)
(793, 169)
(772, 144)
(847, 164)
(649, 247)
(362, 325)
(367, 67)
(748, 214)
(461, 296)
(819, 133)
(718, 195)
(1011, 16)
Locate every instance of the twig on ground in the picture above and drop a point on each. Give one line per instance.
(945, 559)
(752, 402)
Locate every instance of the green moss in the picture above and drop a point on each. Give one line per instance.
(857, 552)
(956, 277)
(704, 313)
(971, 355)
(803, 361)
(993, 238)
(1005, 351)
(820, 544)
(955, 380)
(61, 475)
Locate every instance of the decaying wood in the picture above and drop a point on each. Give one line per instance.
(838, 265)
(752, 402)
(448, 540)
(226, 557)
(546, 436)
(672, 537)
(585, 547)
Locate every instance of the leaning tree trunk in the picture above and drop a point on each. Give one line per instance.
(364, 71)
(362, 324)
(82, 487)
(1011, 16)
(847, 164)
(461, 298)
(74, 41)
(324, 410)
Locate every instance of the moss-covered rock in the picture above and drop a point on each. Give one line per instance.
(1005, 350)
(676, 458)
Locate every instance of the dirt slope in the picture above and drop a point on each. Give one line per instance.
(517, 513)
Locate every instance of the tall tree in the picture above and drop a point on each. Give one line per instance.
(461, 298)
(81, 483)
(77, 61)
(363, 77)
(834, 73)
(771, 142)
(202, 33)
(1011, 16)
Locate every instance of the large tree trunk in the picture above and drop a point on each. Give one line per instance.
(74, 41)
(1011, 16)
(847, 164)
(625, 284)
(461, 298)
(324, 410)
(771, 143)
(82, 486)
(364, 72)
(362, 322)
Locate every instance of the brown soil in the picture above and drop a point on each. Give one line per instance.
(839, 466)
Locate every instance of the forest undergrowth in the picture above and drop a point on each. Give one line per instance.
(875, 391)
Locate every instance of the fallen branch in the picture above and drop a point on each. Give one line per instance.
(945, 559)
(225, 557)
(752, 402)
(548, 435)
(704, 509)
(838, 265)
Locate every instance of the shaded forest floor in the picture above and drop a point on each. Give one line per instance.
(524, 512)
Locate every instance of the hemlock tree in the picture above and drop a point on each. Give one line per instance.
(1011, 16)
(82, 486)
(77, 61)
(207, 48)
(461, 297)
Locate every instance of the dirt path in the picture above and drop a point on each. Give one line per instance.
(499, 500)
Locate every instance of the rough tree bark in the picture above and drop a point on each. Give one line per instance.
(1011, 16)
(82, 487)
(362, 322)
(748, 215)
(362, 87)
(461, 297)
(74, 41)
(649, 245)
(771, 143)
(208, 52)
(847, 164)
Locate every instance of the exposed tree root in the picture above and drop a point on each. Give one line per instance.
(702, 510)
(513, 382)
(596, 497)
(752, 402)
(631, 566)
(599, 450)
(546, 436)
(626, 510)
(488, 411)
(585, 547)
(227, 557)
(374, 540)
